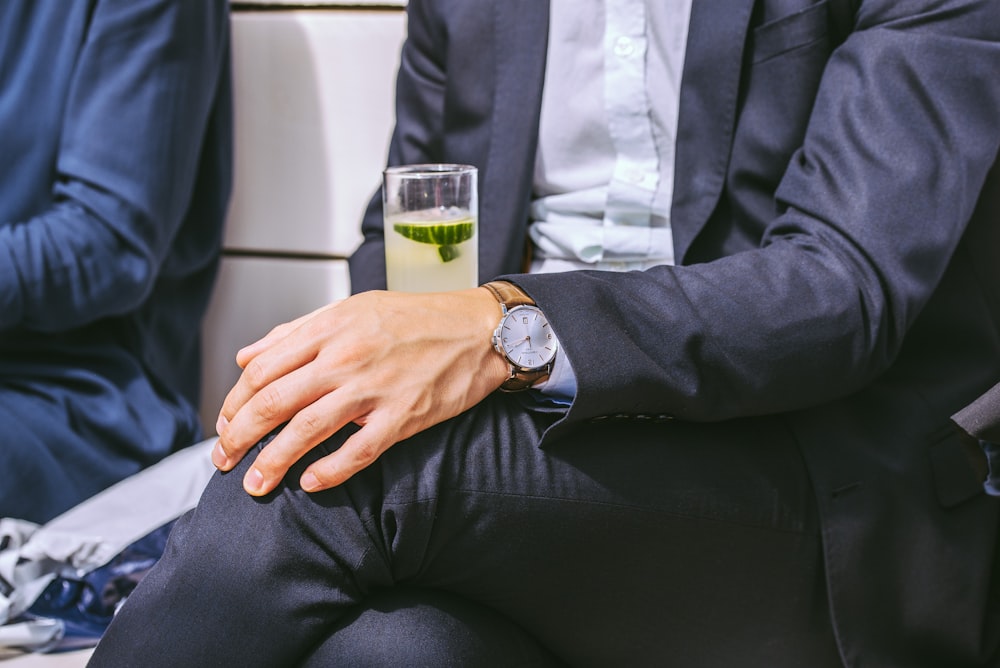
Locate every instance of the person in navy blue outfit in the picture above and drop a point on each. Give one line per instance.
(115, 171)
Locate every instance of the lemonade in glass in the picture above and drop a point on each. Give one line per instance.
(431, 227)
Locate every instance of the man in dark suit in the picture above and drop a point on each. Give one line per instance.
(756, 466)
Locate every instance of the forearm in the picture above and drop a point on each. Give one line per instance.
(67, 268)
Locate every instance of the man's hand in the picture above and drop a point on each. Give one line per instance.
(393, 363)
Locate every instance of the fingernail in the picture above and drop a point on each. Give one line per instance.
(220, 424)
(309, 481)
(253, 482)
(219, 457)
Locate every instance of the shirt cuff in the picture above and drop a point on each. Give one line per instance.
(992, 483)
(560, 386)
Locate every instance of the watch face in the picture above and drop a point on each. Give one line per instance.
(526, 338)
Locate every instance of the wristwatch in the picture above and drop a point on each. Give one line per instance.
(523, 337)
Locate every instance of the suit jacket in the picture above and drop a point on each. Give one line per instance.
(835, 269)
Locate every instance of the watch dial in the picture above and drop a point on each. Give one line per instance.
(527, 339)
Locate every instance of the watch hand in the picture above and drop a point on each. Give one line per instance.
(515, 345)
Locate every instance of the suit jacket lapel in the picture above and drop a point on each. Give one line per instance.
(522, 28)
(709, 94)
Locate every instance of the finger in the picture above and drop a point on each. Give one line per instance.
(270, 406)
(284, 348)
(311, 426)
(358, 452)
(261, 371)
(279, 332)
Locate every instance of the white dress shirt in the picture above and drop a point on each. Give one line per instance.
(604, 170)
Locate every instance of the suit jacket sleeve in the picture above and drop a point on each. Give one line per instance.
(981, 418)
(871, 208)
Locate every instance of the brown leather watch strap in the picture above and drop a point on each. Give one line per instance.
(523, 380)
(509, 294)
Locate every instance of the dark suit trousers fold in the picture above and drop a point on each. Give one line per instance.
(632, 543)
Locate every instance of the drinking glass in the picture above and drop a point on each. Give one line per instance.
(431, 227)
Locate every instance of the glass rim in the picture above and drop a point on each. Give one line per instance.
(430, 169)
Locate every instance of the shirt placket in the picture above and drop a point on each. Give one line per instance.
(636, 175)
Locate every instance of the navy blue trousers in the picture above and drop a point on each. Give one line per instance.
(630, 544)
(74, 425)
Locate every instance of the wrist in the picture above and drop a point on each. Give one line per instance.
(495, 368)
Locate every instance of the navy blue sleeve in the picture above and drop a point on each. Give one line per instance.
(141, 94)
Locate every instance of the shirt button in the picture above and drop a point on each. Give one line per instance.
(634, 175)
(624, 47)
